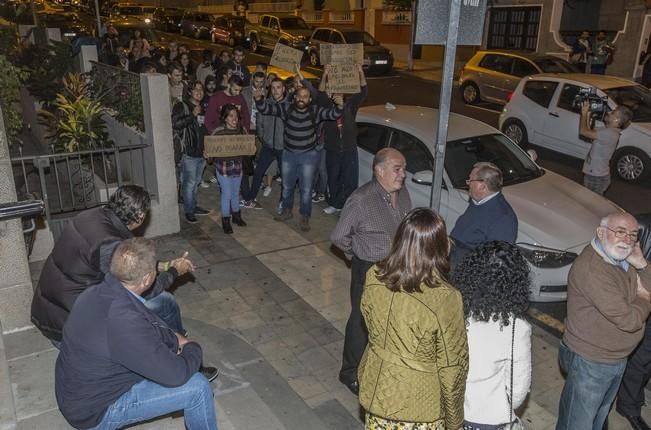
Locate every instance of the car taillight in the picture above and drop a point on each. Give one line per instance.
(509, 96)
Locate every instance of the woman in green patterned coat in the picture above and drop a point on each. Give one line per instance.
(413, 372)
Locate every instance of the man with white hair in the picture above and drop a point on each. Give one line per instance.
(607, 308)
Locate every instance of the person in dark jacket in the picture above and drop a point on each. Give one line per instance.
(188, 133)
(488, 216)
(238, 66)
(119, 362)
(341, 147)
(92, 237)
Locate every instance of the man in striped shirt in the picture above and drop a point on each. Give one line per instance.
(300, 157)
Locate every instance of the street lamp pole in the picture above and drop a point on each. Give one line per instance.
(99, 20)
(444, 104)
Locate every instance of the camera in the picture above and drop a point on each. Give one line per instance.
(597, 106)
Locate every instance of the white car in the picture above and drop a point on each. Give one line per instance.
(557, 217)
(541, 111)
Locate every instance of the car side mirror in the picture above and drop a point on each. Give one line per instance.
(532, 154)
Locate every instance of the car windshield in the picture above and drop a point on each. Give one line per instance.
(360, 37)
(293, 23)
(515, 164)
(636, 97)
(555, 65)
(148, 9)
(131, 10)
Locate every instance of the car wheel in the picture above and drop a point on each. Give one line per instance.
(314, 59)
(631, 164)
(516, 131)
(254, 44)
(470, 93)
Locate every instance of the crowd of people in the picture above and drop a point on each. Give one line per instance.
(437, 337)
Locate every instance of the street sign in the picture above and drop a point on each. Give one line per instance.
(432, 19)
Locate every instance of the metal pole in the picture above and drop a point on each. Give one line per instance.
(99, 20)
(410, 54)
(444, 104)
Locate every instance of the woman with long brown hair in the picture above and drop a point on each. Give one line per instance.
(412, 375)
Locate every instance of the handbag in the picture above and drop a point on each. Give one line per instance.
(514, 424)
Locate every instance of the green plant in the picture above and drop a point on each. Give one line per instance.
(75, 122)
(398, 4)
(9, 41)
(10, 82)
(120, 92)
(46, 66)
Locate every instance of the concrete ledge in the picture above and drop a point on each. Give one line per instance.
(7, 408)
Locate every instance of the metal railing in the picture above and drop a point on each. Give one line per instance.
(69, 182)
(396, 17)
(312, 16)
(287, 7)
(341, 17)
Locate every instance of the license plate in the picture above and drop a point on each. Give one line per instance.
(382, 62)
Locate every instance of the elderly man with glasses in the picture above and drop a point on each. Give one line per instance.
(607, 307)
(488, 216)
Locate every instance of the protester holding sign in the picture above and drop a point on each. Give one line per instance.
(231, 95)
(229, 170)
(300, 157)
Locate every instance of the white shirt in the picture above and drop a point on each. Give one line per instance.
(489, 374)
(485, 199)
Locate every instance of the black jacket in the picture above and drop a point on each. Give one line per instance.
(645, 234)
(187, 133)
(110, 343)
(78, 261)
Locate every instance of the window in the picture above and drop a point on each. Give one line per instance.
(636, 97)
(540, 92)
(273, 23)
(555, 65)
(522, 68)
(371, 137)
(566, 98)
(322, 35)
(417, 155)
(265, 21)
(513, 28)
(336, 37)
(498, 63)
(221, 22)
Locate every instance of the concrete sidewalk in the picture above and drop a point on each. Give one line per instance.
(269, 306)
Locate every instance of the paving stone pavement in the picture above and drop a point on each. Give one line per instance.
(269, 306)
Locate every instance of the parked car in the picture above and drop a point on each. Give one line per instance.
(556, 216)
(542, 112)
(493, 75)
(132, 10)
(277, 28)
(197, 24)
(377, 58)
(167, 19)
(69, 24)
(229, 29)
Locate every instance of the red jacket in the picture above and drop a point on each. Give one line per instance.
(217, 102)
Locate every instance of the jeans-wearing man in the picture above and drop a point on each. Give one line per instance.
(300, 157)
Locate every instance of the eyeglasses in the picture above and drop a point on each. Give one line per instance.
(621, 234)
(468, 181)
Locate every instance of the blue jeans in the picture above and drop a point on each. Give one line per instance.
(230, 193)
(343, 175)
(164, 305)
(191, 172)
(147, 400)
(266, 157)
(589, 391)
(321, 176)
(301, 166)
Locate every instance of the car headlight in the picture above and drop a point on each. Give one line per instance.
(546, 258)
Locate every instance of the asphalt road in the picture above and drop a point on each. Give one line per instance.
(401, 88)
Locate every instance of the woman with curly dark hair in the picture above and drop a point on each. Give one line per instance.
(494, 283)
(411, 376)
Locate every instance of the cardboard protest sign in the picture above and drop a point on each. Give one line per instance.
(341, 54)
(286, 57)
(343, 79)
(230, 145)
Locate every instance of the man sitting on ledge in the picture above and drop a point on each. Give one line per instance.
(119, 363)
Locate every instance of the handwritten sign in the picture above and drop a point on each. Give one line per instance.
(286, 57)
(341, 54)
(343, 79)
(232, 145)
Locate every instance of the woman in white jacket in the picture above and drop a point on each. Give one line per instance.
(494, 281)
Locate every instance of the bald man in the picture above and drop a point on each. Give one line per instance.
(365, 230)
(607, 307)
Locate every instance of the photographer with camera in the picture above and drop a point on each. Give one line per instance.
(604, 140)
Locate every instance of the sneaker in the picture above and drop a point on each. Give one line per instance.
(213, 180)
(204, 184)
(331, 210)
(242, 202)
(316, 198)
(251, 205)
(266, 192)
(191, 218)
(305, 224)
(199, 211)
(211, 373)
(279, 179)
(283, 215)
